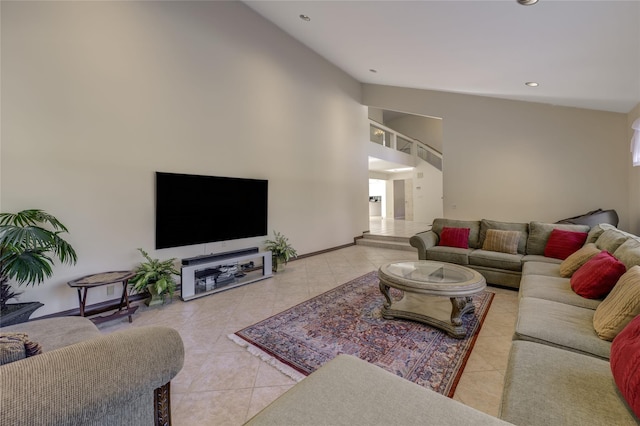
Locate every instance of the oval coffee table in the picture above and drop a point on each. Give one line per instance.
(426, 284)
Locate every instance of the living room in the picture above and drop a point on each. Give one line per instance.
(97, 96)
(115, 102)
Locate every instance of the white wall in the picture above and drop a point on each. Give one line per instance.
(427, 193)
(634, 177)
(97, 96)
(521, 161)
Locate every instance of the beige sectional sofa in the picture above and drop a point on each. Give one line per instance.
(558, 371)
(498, 268)
(85, 377)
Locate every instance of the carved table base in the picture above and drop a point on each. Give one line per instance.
(433, 310)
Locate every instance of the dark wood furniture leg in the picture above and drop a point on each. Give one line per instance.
(162, 405)
(125, 298)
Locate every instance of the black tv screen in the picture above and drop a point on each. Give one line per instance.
(195, 209)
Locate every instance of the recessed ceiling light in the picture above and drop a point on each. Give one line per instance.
(527, 2)
(373, 70)
(531, 84)
(306, 18)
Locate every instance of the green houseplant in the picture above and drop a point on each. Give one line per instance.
(29, 242)
(281, 251)
(156, 276)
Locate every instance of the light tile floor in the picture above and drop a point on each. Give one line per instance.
(222, 384)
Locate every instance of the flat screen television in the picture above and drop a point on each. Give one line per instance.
(196, 209)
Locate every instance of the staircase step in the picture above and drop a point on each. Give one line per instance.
(381, 241)
(369, 236)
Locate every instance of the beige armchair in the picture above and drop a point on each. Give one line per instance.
(85, 377)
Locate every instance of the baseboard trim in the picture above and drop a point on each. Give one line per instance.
(315, 253)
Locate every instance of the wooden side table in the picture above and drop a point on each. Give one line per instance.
(104, 278)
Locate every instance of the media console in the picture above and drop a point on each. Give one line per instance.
(204, 275)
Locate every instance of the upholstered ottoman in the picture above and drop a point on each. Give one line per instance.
(349, 391)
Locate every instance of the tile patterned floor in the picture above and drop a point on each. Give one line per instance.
(222, 384)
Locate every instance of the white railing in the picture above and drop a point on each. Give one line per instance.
(391, 139)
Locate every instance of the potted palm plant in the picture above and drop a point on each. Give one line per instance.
(155, 276)
(281, 251)
(29, 242)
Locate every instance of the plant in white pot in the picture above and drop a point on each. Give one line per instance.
(281, 251)
(156, 276)
(29, 242)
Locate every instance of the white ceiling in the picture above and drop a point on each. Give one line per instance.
(582, 53)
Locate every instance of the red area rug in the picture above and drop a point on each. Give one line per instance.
(348, 320)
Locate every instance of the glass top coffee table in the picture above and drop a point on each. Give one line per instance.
(426, 286)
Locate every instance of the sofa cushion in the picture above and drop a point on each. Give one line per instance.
(560, 325)
(539, 233)
(539, 258)
(494, 259)
(628, 253)
(557, 289)
(522, 228)
(449, 254)
(611, 239)
(473, 225)
(596, 278)
(540, 268)
(625, 358)
(561, 244)
(454, 237)
(572, 263)
(620, 306)
(550, 386)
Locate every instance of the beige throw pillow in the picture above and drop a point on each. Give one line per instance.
(577, 259)
(17, 346)
(620, 306)
(502, 241)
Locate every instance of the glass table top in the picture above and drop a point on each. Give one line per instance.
(430, 272)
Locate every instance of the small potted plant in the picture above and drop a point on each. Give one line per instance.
(29, 242)
(156, 276)
(281, 251)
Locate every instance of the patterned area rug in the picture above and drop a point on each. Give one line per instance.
(348, 320)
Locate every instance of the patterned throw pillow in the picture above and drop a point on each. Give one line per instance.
(619, 307)
(598, 276)
(561, 244)
(625, 358)
(17, 346)
(454, 237)
(502, 241)
(572, 263)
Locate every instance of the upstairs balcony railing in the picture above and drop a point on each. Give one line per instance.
(391, 139)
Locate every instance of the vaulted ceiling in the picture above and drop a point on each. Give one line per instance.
(581, 53)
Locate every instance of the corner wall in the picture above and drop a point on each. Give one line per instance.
(634, 176)
(97, 96)
(521, 161)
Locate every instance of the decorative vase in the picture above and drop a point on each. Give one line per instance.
(278, 264)
(18, 312)
(156, 299)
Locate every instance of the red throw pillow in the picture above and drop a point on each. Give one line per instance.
(597, 277)
(455, 237)
(562, 244)
(625, 358)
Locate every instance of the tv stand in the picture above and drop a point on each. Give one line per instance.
(223, 273)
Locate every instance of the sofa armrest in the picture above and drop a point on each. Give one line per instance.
(86, 383)
(423, 241)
